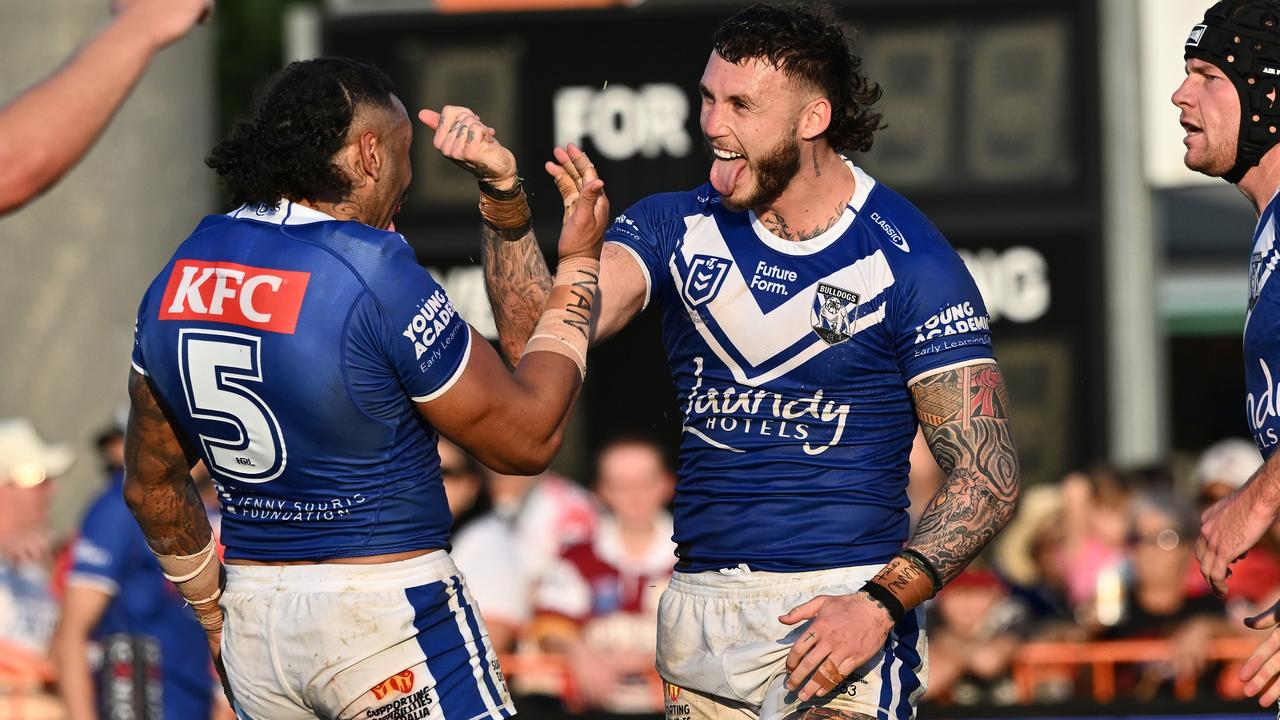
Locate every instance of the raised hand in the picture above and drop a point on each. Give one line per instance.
(586, 208)
(167, 20)
(471, 145)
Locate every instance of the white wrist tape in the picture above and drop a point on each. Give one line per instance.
(199, 579)
(565, 325)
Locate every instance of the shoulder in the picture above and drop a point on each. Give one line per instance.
(904, 232)
(663, 208)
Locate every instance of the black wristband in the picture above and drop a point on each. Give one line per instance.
(923, 563)
(497, 194)
(881, 594)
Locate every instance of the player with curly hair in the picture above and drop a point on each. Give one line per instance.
(296, 346)
(812, 318)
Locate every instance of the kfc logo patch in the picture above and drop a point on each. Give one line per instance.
(262, 298)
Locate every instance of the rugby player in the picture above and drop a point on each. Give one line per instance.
(47, 129)
(296, 346)
(1228, 111)
(812, 319)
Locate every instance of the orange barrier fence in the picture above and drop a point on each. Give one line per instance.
(1038, 661)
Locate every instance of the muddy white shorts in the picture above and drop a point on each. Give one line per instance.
(397, 640)
(722, 651)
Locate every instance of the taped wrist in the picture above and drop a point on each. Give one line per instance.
(200, 579)
(565, 325)
(901, 585)
(506, 212)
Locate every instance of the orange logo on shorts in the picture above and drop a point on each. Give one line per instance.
(673, 691)
(401, 683)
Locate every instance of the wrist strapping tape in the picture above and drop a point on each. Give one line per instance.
(565, 326)
(199, 578)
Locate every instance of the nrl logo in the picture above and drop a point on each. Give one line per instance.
(706, 276)
(834, 312)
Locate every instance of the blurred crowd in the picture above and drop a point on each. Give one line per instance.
(568, 574)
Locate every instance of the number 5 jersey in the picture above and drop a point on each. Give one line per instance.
(288, 349)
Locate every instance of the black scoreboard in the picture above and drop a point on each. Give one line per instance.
(992, 114)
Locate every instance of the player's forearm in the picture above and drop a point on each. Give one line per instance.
(50, 126)
(75, 680)
(518, 283)
(1265, 486)
(964, 413)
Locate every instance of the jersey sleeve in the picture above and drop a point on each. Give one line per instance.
(137, 360)
(418, 329)
(639, 233)
(938, 317)
(100, 555)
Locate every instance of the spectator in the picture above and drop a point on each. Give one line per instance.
(1095, 518)
(118, 599)
(598, 606)
(1157, 604)
(973, 639)
(1026, 556)
(28, 466)
(504, 552)
(463, 484)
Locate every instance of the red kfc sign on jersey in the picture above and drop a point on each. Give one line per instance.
(262, 298)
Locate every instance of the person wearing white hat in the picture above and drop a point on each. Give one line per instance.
(27, 608)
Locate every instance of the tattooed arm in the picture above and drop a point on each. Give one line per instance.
(964, 413)
(157, 481)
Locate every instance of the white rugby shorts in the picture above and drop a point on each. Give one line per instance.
(722, 651)
(395, 640)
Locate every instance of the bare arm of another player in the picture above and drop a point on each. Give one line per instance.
(45, 130)
(82, 608)
(964, 413)
(163, 498)
(517, 279)
(516, 275)
(515, 422)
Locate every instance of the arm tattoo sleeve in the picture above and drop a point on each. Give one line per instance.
(518, 282)
(964, 414)
(158, 485)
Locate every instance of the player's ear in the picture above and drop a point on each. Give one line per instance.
(815, 118)
(372, 155)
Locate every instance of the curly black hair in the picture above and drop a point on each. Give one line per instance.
(287, 149)
(809, 45)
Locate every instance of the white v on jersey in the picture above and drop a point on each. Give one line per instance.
(792, 361)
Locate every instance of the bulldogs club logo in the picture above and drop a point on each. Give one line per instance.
(705, 278)
(401, 683)
(834, 312)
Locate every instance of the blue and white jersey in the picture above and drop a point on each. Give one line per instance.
(792, 362)
(1261, 339)
(290, 348)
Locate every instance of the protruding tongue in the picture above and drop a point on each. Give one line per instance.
(725, 174)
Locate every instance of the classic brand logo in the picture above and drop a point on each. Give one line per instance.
(401, 683)
(262, 298)
(706, 275)
(895, 235)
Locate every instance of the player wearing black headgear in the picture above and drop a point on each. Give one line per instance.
(1229, 111)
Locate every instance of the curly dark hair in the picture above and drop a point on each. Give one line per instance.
(809, 45)
(287, 149)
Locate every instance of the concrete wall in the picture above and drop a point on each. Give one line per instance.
(74, 264)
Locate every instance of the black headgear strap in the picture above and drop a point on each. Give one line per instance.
(1243, 40)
